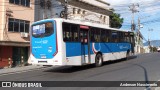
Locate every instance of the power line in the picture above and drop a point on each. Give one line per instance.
(141, 3)
(124, 9)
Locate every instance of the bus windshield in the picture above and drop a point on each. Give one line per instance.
(42, 30)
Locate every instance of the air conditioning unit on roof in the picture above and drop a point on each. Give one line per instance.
(24, 34)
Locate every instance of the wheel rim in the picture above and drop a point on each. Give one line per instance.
(99, 60)
(128, 54)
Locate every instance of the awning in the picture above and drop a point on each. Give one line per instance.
(13, 43)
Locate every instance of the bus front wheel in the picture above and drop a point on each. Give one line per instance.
(98, 60)
(128, 54)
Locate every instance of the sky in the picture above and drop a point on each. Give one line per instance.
(148, 12)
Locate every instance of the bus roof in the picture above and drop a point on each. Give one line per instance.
(83, 22)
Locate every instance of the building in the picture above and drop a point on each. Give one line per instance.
(16, 17)
(146, 49)
(95, 11)
(139, 43)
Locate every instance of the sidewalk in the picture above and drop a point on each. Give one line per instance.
(19, 69)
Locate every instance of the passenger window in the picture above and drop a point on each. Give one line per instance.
(115, 36)
(74, 33)
(66, 32)
(126, 37)
(121, 37)
(108, 36)
(70, 32)
(103, 36)
(95, 35)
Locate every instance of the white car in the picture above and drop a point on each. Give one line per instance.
(158, 49)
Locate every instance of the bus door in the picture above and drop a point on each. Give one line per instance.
(85, 46)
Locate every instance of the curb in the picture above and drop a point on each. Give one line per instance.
(20, 71)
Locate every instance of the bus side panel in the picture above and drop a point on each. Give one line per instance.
(73, 53)
(110, 51)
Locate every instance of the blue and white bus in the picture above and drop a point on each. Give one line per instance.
(67, 42)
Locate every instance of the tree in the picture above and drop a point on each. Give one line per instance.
(153, 49)
(116, 20)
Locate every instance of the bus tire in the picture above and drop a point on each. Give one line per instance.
(98, 60)
(128, 54)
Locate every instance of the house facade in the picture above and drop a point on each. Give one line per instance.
(139, 43)
(146, 49)
(16, 17)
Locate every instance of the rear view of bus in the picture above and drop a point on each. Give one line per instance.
(43, 42)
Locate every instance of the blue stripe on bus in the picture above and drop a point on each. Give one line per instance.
(76, 49)
(73, 49)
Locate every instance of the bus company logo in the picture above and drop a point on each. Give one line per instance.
(42, 41)
(6, 84)
(45, 41)
(123, 47)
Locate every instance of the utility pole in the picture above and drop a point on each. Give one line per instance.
(138, 32)
(149, 43)
(138, 35)
(133, 9)
(66, 9)
(139, 24)
(45, 4)
(45, 13)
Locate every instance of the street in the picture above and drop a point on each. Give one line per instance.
(143, 67)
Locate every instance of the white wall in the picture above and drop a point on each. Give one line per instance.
(57, 8)
(146, 49)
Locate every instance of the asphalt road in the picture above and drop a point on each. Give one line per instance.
(145, 67)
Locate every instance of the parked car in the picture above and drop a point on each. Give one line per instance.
(158, 49)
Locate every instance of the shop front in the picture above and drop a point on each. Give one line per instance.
(13, 55)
